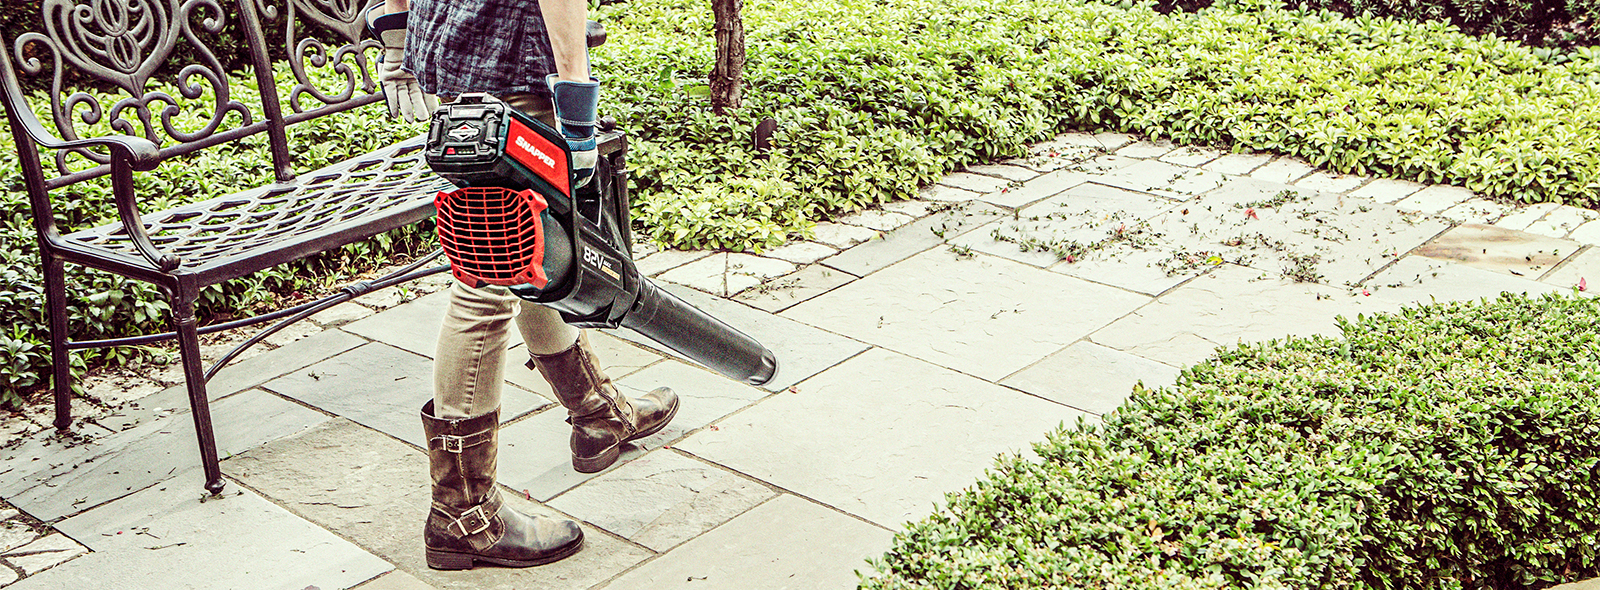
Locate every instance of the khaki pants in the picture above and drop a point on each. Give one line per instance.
(469, 367)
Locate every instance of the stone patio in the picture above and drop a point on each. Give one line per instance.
(916, 343)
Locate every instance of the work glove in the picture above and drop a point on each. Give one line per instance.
(404, 96)
(576, 103)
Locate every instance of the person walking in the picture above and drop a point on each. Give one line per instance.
(533, 55)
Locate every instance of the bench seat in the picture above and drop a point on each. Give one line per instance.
(238, 234)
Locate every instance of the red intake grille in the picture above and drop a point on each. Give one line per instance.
(493, 235)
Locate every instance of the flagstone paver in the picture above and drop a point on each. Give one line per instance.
(166, 537)
(406, 327)
(1435, 198)
(1038, 188)
(666, 260)
(383, 388)
(974, 182)
(940, 192)
(876, 219)
(347, 478)
(783, 292)
(926, 233)
(1192, 156)
(724, 274)
(886, 457)
(1387, 190)
(1284, 170)
(1523, 217)
(1588, 233)
(44, 553)
(1419, 280)
(840, 235)
(70, 478)
(1238, 163)
(1113, 140)
(1501, 250)
(1228, 305)
(1476, 210)
(1090, 377)
(914, 208)
(1583, 266)
(959, 312)
(1006, 171)
(1163, 179)
(1146, 149)
(801, 252)
(1330, 182)
(784, 544)
(1562, 221)
(663, 498)
(396, 580)
(15, 534)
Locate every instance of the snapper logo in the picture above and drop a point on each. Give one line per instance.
(539, 155)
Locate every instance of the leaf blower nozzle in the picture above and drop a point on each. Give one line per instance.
(515, 220)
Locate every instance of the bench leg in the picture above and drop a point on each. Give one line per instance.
(195, 378)
(55, 294)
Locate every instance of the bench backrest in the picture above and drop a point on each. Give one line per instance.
(170, 87)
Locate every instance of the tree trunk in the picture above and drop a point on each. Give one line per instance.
(727, 76)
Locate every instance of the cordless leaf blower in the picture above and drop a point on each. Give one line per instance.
(517, 220)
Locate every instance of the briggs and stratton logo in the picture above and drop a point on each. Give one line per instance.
(522, 142)
(465, 132)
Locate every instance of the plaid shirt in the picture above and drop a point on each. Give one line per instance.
(494, 46)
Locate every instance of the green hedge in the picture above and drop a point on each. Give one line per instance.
(1546, 23)
(1450, 446)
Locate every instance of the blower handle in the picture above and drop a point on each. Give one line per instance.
(663, 317)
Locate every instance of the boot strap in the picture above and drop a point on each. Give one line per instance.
(456, 444)
(473, 520)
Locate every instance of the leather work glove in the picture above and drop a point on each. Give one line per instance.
(405, 98)
(576, 104)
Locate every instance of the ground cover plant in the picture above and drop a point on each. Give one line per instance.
(1546, 23)
(1451, 446)
(876, 98)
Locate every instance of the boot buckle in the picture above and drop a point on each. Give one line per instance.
(456, 444)
(452, 444)
(472, 522)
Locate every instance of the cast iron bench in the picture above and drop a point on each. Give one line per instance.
(123, 44)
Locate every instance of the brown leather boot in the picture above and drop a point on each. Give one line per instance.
(469, 523)
(602, 418)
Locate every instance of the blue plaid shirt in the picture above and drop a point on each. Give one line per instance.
(494, 46)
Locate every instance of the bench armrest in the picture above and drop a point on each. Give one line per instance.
(142, 154)
(128, 153)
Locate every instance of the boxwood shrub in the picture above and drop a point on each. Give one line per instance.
(1448, 446)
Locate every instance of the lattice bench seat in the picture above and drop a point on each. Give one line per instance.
(238, 234)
